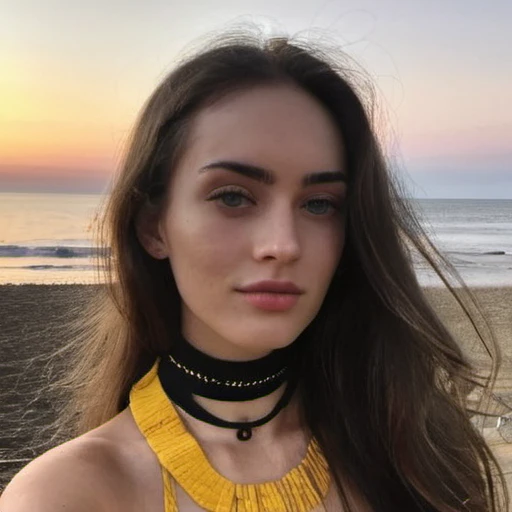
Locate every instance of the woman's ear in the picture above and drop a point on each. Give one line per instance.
(148, 234)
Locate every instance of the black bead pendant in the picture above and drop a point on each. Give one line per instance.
(244, 434)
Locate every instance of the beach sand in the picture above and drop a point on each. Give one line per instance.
(496, 304)
(29, 332)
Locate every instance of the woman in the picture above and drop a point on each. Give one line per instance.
(264, 344)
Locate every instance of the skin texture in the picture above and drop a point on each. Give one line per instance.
(282, 231)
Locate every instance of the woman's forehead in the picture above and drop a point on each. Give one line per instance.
(270, 126)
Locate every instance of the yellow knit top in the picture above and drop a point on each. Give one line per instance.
(184, 462)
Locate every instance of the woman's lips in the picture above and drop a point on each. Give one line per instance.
(270, 301)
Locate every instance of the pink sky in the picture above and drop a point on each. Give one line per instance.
(74, 76)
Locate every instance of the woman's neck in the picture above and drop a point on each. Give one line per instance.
(219, 348)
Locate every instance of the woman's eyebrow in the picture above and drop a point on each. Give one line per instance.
(268, 177)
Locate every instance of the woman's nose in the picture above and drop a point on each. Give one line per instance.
(277, 237)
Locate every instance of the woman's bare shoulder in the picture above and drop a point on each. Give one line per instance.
(83, 474)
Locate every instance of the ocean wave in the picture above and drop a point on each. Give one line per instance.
(48, 267)
(52, 267)
(479, 254)
(477, 259)
(60, 267)
(55, 251)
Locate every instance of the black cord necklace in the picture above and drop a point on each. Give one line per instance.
(186, 372)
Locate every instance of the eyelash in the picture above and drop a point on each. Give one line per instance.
(235, 191)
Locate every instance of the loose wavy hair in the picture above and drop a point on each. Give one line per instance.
(383, 383)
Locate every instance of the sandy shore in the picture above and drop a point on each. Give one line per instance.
(497, 306)
(29, 331)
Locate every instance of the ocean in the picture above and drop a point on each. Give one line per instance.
(47, 238)
(475, 235)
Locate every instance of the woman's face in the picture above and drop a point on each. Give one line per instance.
(241, 210)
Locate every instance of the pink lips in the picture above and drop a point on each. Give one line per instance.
(271, 295)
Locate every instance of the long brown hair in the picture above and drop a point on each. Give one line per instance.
(383, 380)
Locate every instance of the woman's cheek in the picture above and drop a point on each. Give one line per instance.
(211, 248)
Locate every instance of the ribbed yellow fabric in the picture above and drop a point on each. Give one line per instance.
(171, 505)
(301, 489)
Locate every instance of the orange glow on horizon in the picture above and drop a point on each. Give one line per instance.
(50, 121)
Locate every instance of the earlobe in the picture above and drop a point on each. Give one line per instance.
(148, 234)
(158, 251)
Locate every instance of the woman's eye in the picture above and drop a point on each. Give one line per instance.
(231, 198)
(321, 206)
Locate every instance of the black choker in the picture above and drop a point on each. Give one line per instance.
(187, 372)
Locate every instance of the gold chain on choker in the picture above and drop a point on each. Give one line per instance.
(212, 380)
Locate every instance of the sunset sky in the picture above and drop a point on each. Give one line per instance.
(74, 74)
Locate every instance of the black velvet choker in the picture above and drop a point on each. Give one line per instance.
(186, 372)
